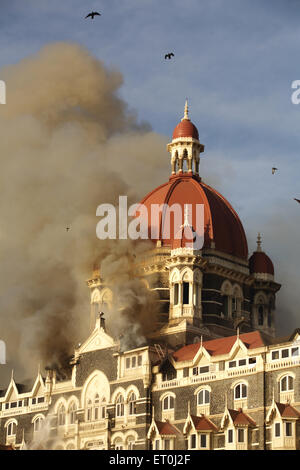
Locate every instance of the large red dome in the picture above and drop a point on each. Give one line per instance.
(221, 222)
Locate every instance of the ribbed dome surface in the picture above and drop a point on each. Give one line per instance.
(222, 224)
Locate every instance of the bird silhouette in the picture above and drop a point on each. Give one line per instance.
(93, 14)
(169, 55)
(298, 200)
(67, 229)
(274, 169)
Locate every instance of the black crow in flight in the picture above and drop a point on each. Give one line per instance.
(169, 56)
(92, 14)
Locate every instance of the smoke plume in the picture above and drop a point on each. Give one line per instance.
(68, 143)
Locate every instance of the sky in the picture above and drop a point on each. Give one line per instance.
(235, 61)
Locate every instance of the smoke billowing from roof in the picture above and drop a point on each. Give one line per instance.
(68, 143)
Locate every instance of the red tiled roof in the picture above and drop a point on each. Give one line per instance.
(219, 346)
(202, 423)
(166, 428)
(287, 411)
(3, 447)
(240, 418)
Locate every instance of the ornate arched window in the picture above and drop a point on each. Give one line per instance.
(203, 397)
(168, 403)
(89, 410)
(261, 312)
(120, 406)
(11, 428)
(61, 415)
(103, 408)
(226, 292)
(287, 383)
(132, 403)
(72, 412)
(96, 407)
(119, 444)
(38, 423)
(240, 391)
(130, 443)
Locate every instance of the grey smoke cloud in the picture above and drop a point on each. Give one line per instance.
(68, 143)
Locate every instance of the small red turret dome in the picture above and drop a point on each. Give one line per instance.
(259, 262)
(185, 128)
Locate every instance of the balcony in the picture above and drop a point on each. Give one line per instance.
(93, 426)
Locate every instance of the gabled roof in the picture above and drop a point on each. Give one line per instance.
(237, 418)
(287, 411)
(166, 428)
(240, 418)
(220, 346)
(201, 423)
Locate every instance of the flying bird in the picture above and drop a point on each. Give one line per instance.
(298, 200)
(92, 14)
(67, 229)
(169, 55)
(273, 170)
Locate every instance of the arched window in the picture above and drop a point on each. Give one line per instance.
(130, 443)
(96, 407)
(119, 444)
(103, 409)
(261, 315)
(203, 397)
(120, 406)
(225, 300)
(176, 293)
(132, 403)
(37, 424)
(270, 307)
(185, 292)
(11, 429)
(234, 304)
(287, 383)
(168, 402)
(72, 413)
(89, 410)
(240, 391)
(61, 415)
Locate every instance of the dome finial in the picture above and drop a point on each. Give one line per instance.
(258, 242)
(186, 217)
(186, 111)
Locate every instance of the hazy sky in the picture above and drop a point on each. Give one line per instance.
(235, 60)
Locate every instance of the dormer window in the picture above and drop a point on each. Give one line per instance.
(288, 429)
(133, 361)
